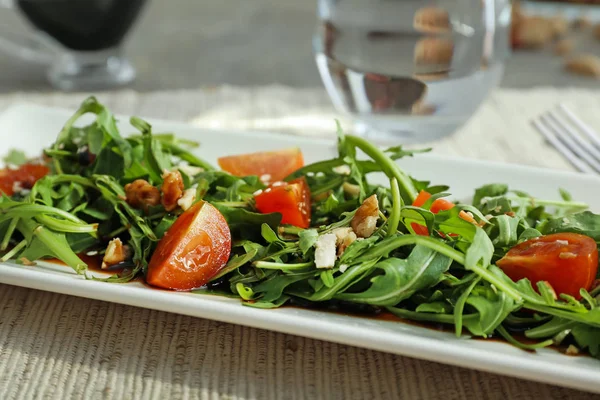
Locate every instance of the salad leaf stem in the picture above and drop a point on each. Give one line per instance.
(290, 230)
(389, 167)
(65, 226)
(554, 203)
(28, 210)
(430, 317)
(282, 266)
(394, 219)
(9, 232)
(504, 333)
(233, 204)
(14, 251)
(460, 306)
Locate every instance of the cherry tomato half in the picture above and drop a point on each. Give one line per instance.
(290, 199)
(276, 164)
(194, 249)
(26, 176)
(567, 261)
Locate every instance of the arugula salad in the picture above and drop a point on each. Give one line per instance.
(271, 231)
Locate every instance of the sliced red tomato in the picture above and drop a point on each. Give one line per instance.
(290, 199)
(25, 176)
(437, 206)
(421, 199)
(567, 261)
(440, 205)
(194, 249)
(276, 165)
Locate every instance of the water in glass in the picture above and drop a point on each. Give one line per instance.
(411, 70)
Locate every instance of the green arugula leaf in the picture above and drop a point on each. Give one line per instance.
(15, 157)
(398, 152)
(402, 278)
(492, 307)
(587, 337)
(491, 190)
(585, 223)
(480, 251)
(307, 239)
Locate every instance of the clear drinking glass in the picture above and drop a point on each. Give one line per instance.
(80, 41)
(411, 70)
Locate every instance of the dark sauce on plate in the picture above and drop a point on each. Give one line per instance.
(335, 307)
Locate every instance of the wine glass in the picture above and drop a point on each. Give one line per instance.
(80, 41)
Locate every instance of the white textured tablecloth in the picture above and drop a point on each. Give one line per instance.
(61, 347)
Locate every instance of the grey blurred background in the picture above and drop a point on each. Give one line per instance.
(198, 43)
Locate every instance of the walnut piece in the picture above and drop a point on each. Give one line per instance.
(344, 238)
(116, 253)
(434, 52)
(364, 222)
(563, 47)
(585, 65)
(172, 189)
(432, 19)
(533, 32)
(140, 194)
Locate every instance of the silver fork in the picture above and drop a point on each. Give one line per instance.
(573, 138)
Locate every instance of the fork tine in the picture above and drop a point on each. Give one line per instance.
(564, 150)
(585, 128)
(567, 129)
(569, 142)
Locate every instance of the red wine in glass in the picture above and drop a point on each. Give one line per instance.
(86, 37)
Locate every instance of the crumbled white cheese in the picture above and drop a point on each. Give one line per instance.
(343, 268)
(342, 169)
(266, 178)
(563, 242)
(344, 238)
(325, 254)
(188, 198)
(277, 184)
(17, 187)
(189, 170)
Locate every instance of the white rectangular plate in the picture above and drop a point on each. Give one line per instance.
(32, 128)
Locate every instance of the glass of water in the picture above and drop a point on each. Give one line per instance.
(411, 70)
